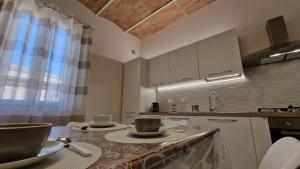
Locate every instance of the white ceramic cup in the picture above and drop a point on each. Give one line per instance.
(102, 119)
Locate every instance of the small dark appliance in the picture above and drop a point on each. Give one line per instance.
(155, 107)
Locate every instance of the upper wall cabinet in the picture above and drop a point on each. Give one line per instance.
(159, 70)
(219, 56)
(183, 63)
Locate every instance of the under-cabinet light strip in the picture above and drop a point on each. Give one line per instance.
(279, 54)
(210, 79)
(200, 83)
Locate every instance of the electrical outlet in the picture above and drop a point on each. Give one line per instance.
(183, 100)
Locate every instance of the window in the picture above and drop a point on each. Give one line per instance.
(31, 77)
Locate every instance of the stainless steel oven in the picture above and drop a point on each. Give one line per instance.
(282, 127)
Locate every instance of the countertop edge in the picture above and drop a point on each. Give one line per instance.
(174, 148)
(229, 114)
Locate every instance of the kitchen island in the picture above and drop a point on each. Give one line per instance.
(200, 147)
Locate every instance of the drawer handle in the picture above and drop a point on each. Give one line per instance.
(288, 124)
(184, 79)
(219, 73)
(157, 84)
(289, 132)
(212, 74)
(179, 118)
(222, 120)
(226, 71)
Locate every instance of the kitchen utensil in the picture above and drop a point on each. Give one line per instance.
(195, 108)
(82, 127)
(155, 107)
(73, 146)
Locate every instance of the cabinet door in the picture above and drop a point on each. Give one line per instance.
(219, 56)
(237, 134)
(131, 86)
(262, 136)
(183, 64)
(159, 70)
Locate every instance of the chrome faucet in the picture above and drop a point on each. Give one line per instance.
(212, 108)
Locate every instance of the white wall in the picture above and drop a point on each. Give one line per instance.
(248, 16)
(104, 88)
(109, 40)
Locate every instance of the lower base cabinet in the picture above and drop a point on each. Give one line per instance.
(246, 138)
(261, 136)
(237, 135)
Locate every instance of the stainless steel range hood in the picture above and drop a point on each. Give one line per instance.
(281, 48)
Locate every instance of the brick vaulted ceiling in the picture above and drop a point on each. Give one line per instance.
(144, 17)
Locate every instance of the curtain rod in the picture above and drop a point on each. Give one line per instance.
(42, 3)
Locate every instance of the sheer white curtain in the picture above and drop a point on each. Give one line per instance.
(43, 63)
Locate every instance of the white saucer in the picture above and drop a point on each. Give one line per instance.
(104, 124)
(49, 148)
(161, 131)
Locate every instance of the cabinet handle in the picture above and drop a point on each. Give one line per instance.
(212, 74)
(179, 118)
(184, 79)
(222, 120)
(157, 84)
(210, 79)
(289, 132)
(226, 71)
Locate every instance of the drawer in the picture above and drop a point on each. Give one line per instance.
(182, 120)
(284, 123)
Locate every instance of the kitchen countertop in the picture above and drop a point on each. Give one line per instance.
(118, 155)
(229, 114)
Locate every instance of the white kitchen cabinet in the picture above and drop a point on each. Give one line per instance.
(237, 135)
(182, 120)
(159, 70)
(183, 63)
(219, 56)
(261, 136)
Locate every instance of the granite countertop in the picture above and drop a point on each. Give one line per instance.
(118, 155)
(229, 114)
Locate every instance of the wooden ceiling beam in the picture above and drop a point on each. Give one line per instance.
(149, 16)
(104, 7)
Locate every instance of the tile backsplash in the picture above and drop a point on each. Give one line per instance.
(273, 85)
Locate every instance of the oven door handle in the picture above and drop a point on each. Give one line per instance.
(287, 132)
